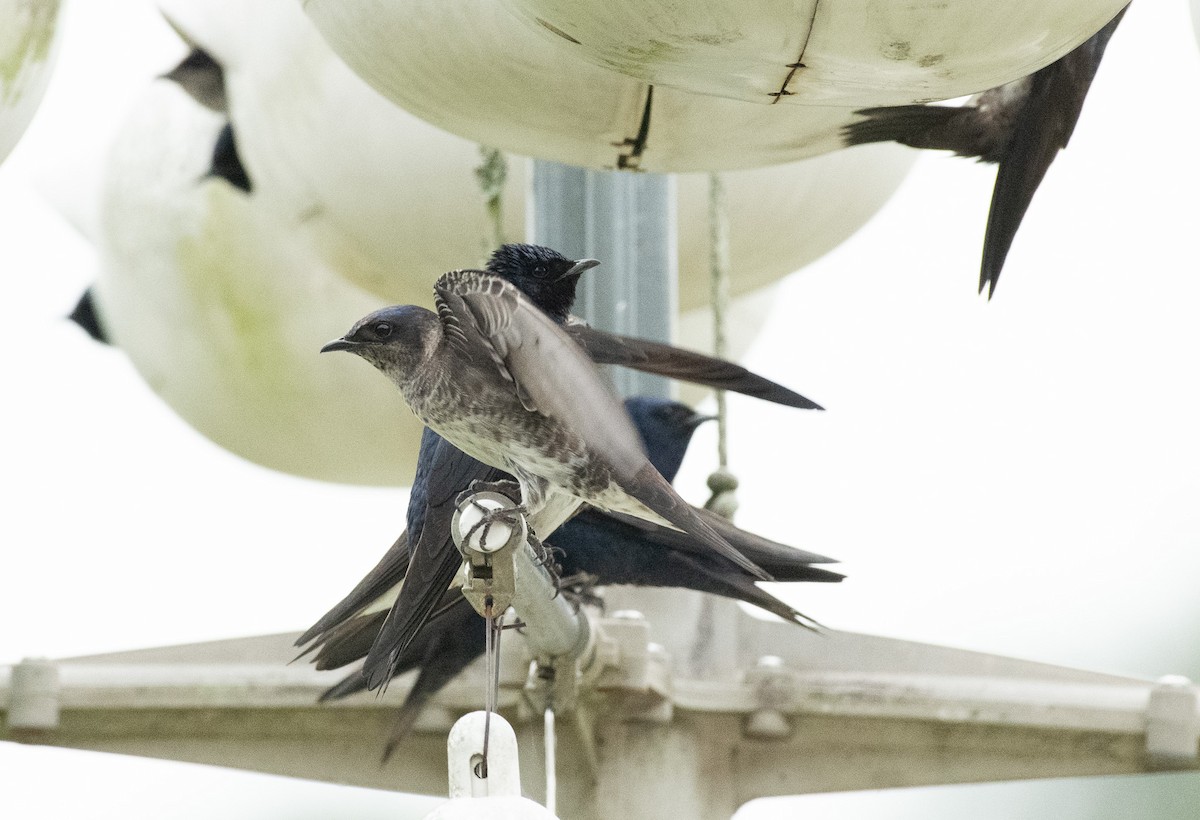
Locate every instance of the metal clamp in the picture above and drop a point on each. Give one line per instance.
(488, 547)
(503, 570)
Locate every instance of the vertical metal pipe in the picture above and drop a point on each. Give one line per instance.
(627, 221)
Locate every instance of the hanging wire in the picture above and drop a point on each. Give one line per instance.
(492, 174)
(718, 227)
(551, 740)
(722, 483)
(491, 652)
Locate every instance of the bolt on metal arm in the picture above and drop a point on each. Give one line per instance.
(503, 571)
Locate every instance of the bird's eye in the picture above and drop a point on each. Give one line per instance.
(540, 270)
(382, 329)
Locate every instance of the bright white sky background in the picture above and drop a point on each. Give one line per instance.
(1018, 477)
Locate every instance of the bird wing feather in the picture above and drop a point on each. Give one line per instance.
(683, 365)
(379, 581)
(561, 382)
(1042, 129)
(550, 372)
(435, 558)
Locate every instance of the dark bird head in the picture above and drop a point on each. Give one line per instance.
(395, 339)
(544, 275)
(666, 428)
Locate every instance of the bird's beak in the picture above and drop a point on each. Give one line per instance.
(338, 344)
(698, 419)
(579, 267)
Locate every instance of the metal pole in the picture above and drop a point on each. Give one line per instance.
(627, 221)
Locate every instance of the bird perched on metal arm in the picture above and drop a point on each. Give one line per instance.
(443, 472)
(606, 548)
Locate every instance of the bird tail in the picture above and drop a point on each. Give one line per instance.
(347, 686)
(906, 124)
(348, 642)
(655, 493)
(758, 549)
(376, 584)
(459, 639)
(429, 575)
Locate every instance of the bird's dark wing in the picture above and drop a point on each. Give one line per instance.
(626, 550)
(755, 547)
(435, 558)
(650, 488)
(379, 581)
(683, 365)
(349, 641)
(457, 637)
(783, 562)
(1042, 129)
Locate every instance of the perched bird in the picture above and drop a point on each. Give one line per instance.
(1021, 126)
(550, 280)
(606, 548)
(483, 320)
(226, 164)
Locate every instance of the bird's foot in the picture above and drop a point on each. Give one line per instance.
(581, 588)
(547, 556)
(509, 489)
(509, 516)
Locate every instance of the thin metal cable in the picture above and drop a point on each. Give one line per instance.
(551, 740)
(492, 174)
(722, 482)
(718, 227)
(489, 693)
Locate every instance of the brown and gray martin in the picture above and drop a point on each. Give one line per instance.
(1021, 126)
(593, 548)
(499, 379)
(549, 280)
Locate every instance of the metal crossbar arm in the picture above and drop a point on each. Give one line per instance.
(503, 570)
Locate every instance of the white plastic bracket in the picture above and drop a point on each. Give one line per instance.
(1173, 722)
(33, 695)
(774, 693)
(495, 795)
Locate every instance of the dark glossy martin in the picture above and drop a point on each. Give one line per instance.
(1021, 126)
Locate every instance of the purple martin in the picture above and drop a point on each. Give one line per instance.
(549, 279)
(1021, 126)
(443, 471)
(609, 549)
(498, 377)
